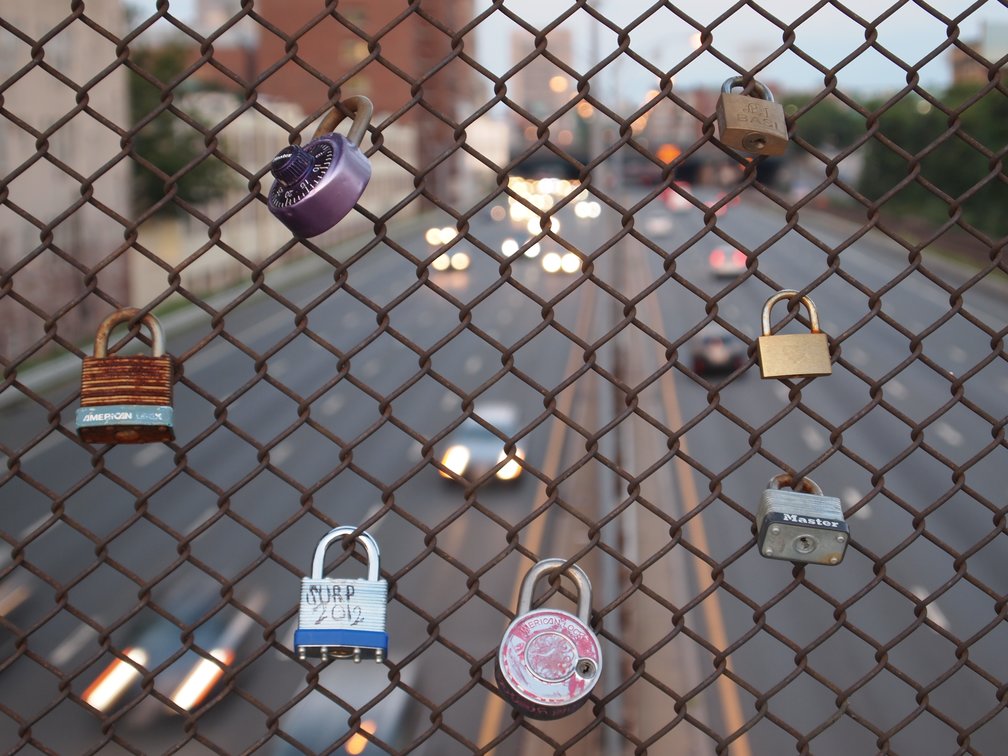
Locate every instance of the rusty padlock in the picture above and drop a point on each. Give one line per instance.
(792, 355)
(549, 660)
(318, 184)
(752, 124)
(126, 400)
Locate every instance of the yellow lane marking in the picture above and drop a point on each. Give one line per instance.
(731, 704)
(494, 712)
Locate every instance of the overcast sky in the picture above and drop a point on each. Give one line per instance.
(829, 36)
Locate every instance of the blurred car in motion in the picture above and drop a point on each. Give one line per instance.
(473, 450)
(457, 260)
(555, 262)
(317, 722)
(675, 200)
(727, 263)
(189, 680)
(717, 351)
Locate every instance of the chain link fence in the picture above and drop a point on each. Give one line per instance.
(557, 259)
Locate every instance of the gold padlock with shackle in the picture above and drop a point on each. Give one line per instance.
(126, 399)
(793, 355)
(751, 124)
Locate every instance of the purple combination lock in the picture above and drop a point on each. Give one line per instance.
(318, 184)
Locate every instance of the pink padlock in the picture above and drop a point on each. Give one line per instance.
(549, 660)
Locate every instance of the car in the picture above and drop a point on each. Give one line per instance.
(152, 640)
(727, 263)
(556, 262)
(316, 721)
(717, 351)
(473, 450)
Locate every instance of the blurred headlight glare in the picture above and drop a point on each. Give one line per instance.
(455, 459)
(201, 679)
(534, 250)
(512, 468)
(570, 263)
(460, 261)
(356, 745)
(551, 262)
(111, 683)
(433, 236)
(441, 262)
(448, 233)
(509, 247)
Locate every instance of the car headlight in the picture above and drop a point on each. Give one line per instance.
(442, 262)
(512, 468)
(570, 263)
(534, 250)
(460, 261)
(551, 262)
(116, 678)
(456, 458)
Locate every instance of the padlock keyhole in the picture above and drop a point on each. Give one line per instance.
(804, 544)
(585, 668)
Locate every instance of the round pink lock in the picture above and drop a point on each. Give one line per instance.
(549, 660)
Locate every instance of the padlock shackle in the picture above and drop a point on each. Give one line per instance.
(760, 88)
(805, 485)
(361, 108)
(370, 546)
(125, 315)
(543, 568)
(788, 294)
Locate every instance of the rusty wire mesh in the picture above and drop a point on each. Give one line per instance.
(857, 658)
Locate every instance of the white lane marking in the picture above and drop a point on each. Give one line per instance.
(895, 389)
(332, 405)
(278, 368)
(416, 451)
(449, 402)
(74, 642)
(948, 434)
(857, 355)
(781, 391)
(505, 316)
(813, 439)
(371, 368)
(934, 614)
(206, 357)
(148, 454)
(957, 353)
(200, 519)
(371, 513)
(281, 452)
(851, 496)
(473, 364)
(350, 320)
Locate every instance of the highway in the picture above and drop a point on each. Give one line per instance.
(345, 401)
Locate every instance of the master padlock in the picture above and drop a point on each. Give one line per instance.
(318, 184)
(792, 355)
(126, 400)
(752, 124)
(340, 617)
(801, 525)
(549, 660)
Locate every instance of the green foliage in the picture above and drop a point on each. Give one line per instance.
(167, 142)
(828, 123)
(950, 163)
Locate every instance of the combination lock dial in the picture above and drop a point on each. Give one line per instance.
(318, 184)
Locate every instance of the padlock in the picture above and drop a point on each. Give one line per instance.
(126, 400)
(549, 660)
(752, 124)
(801, 526)
(343, 618)
(318, 184)
(793, 355)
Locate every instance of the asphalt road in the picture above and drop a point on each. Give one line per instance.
(253, 517)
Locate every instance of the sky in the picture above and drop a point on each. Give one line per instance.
(909, 33)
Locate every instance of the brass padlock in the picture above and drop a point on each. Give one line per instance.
(752, 124)
(792, 355)
(126, 400)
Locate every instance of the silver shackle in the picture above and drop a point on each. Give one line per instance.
(125, 315)
(761, 89)
(541, 569)
(370, 546)
(805, 485)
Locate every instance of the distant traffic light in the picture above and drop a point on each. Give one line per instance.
(668, 152)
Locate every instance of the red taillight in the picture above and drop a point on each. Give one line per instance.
(717, 258)
(739, 258)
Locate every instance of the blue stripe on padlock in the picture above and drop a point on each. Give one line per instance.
(365, 639)
(123, 414)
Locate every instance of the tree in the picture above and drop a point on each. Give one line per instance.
(167, 142)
